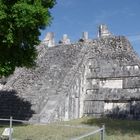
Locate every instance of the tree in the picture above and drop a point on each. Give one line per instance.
(20, 25)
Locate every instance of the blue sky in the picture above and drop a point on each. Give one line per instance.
(72, 17)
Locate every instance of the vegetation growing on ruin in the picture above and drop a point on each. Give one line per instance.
(20, 25)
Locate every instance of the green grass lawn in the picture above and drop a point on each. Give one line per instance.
(115, 130)
(55, 131)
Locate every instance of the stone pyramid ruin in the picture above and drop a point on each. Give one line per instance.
(92, 77)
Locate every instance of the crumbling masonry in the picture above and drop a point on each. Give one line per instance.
(91, 77)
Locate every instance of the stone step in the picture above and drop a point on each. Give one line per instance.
(48, 110)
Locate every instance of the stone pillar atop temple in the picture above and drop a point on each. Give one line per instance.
(65, 40)
(85, 36)
(103, 31)
(49, 39)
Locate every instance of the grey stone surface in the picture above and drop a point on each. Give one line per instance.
(65, 40)
(49, 39)
(103, 31)
(79, 79)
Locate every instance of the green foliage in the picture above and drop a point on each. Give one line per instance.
(116, 129)
(20, 24)
(54, 131)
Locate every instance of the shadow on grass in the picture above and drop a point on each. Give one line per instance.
(115, 126)
(12, 105)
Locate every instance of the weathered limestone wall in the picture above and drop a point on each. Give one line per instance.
(102, 79)
(41, 86)
(72, 91)
(112, 74)
(91, 77)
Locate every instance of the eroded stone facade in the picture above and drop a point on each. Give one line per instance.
(98, 77)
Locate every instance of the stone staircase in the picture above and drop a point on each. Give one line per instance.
(37, 94)
(53, 110)
(39, 86)
(46, 113)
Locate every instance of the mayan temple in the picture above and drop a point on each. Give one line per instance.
(92, 77)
